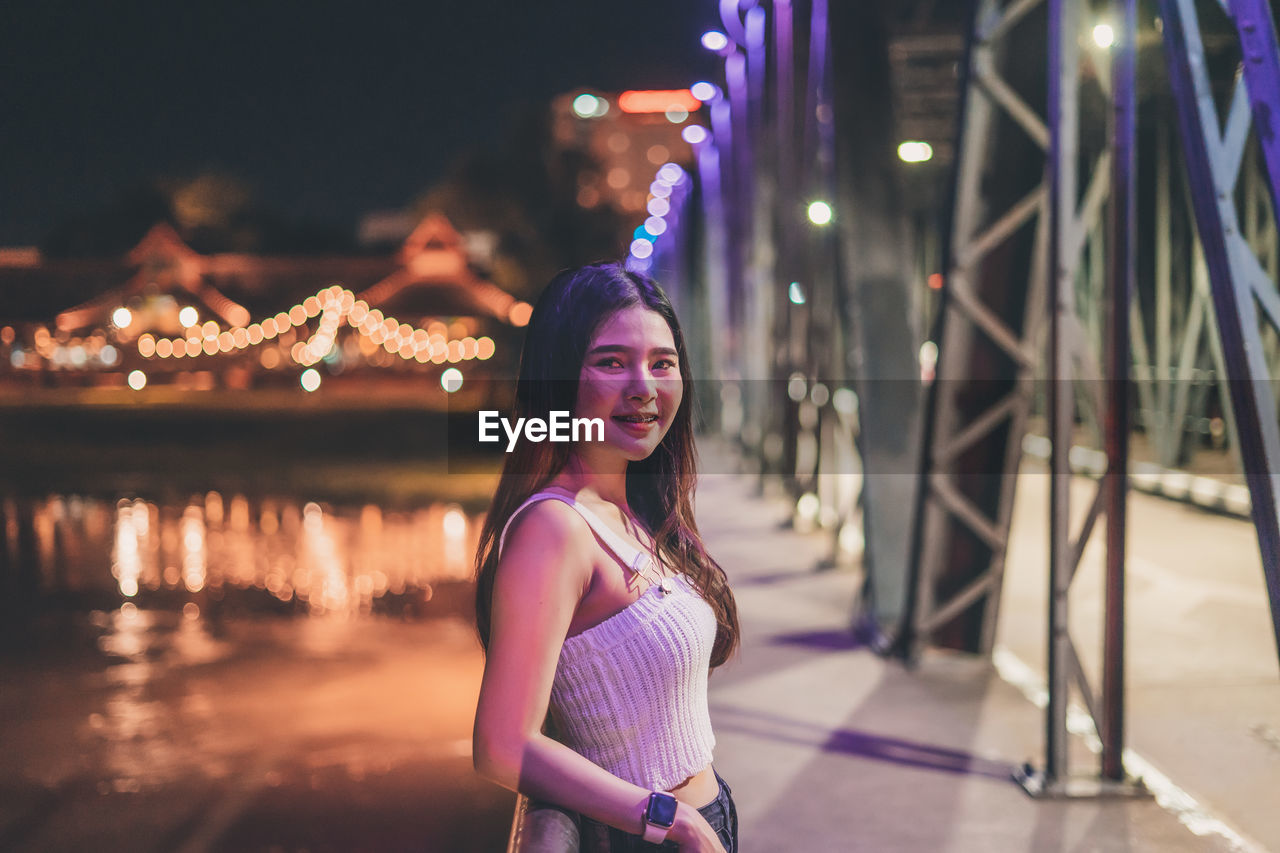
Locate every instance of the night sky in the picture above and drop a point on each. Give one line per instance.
(327, 110)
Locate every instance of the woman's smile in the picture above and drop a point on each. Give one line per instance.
(638, 426)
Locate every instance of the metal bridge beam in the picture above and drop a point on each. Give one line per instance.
(987, 324)
(1238, 291)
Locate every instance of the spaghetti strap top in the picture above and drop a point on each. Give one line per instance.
(630, 693)
(630, 556)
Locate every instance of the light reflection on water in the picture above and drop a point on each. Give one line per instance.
(309, 558)
(144, 670)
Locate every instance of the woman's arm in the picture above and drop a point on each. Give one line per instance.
(543, 574)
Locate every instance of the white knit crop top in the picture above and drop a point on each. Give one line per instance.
(630, 693)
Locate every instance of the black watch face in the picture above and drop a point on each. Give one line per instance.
(662, 810)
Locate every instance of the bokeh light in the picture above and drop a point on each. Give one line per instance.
(704, 91)
(915, 152)
(310, 379)
(137, 380)
(693, 134)
(671, 173)
(819, 212)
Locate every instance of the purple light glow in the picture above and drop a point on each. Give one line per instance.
(655, 225)
(635, 264)
(714, 40)
(693, 134)
(658, 206)
(661, 189)
(670, 173)
(704, 91)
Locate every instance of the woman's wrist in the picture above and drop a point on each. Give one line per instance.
(685, 827)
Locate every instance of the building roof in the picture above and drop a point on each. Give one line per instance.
(429, 276)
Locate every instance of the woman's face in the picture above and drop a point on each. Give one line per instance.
(630, 379)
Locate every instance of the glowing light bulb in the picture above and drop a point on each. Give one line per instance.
(1104, 36)
(671, 173)
(693, 134)
(137, 380)
(915, 152)
(715, 40)
(819, 212)
(122, 317)
(188, 317)
(703, 90)
(310, 379)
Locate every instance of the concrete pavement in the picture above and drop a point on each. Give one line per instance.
(830, 748)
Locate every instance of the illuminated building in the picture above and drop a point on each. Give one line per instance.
(165, 315)
(629, 135)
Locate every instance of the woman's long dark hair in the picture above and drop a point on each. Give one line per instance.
(659, 487)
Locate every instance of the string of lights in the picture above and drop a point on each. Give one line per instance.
(333, 305)
(669, 177)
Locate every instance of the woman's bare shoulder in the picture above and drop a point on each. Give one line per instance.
(548, 533)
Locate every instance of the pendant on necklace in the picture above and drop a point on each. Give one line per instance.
(667, 586)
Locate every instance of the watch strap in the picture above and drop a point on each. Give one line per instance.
(655, 830)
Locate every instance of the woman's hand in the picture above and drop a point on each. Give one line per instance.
(692, 832)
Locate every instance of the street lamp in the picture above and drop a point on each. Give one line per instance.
(819, 212)
(915, 152)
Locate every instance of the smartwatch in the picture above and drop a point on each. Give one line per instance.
(659, 817)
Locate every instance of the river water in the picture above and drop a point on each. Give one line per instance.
(226, 672)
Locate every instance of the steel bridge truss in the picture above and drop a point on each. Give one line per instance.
(1244, 294)
(972, 441)
(990, 342)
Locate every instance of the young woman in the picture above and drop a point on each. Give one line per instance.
(596, 600)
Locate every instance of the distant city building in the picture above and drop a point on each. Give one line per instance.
(630, 135)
